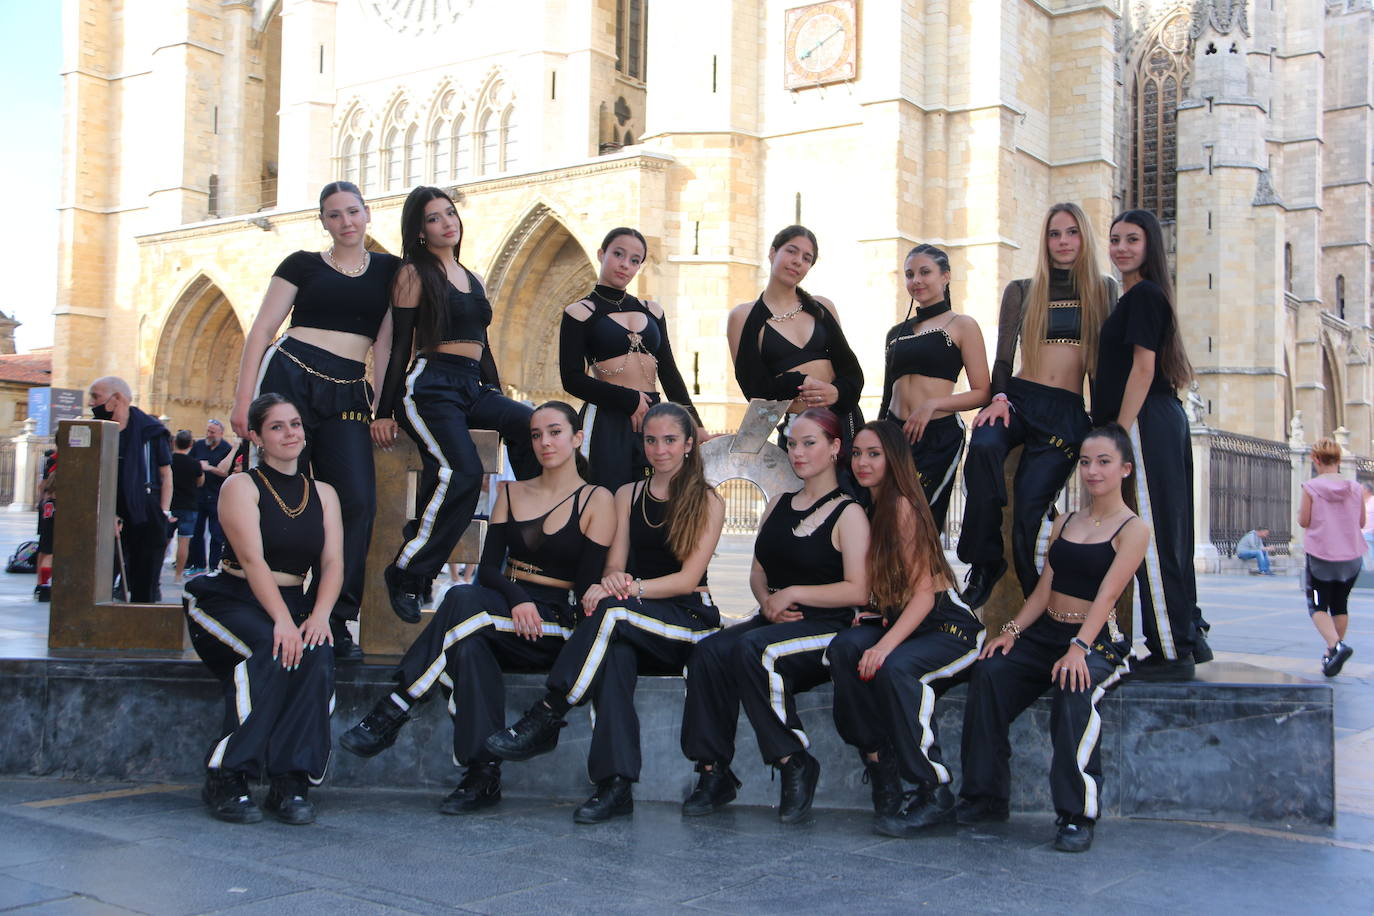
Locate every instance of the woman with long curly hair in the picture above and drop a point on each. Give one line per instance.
(651, 607)
(439, 308)
(917, 638)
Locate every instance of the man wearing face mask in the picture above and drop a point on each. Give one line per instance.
(143, 496)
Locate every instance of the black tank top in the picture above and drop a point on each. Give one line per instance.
(1080, 568)
(810, 559)
(556, 554)
(781, 355)
(930, 353)
(466, 315)
(650, 555)
(290, 520)
(1064, 322)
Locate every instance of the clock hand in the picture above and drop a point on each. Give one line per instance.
(839, 29)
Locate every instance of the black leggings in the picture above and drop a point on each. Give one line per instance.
(1329, 595)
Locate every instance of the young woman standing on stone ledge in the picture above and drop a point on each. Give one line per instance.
(924, 355)
(1141, 367)
(1333, 512)
(440, 309)
(550, 535)
(1055, 315)
(788, 345)
(888, 670)
(808, 576)
(1064, 638)
(651, 608)
(262, 636)
(337, 300)
(613, 350)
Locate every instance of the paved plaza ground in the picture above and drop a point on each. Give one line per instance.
(82, 847)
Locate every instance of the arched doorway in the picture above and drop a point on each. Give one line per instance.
(540, 269)
(197, 357)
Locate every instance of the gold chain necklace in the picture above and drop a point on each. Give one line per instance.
(1097, 522)
(361, 268)
(290, 513)
(785, 316)
(643, 510)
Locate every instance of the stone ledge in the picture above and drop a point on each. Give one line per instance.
(1241, 744)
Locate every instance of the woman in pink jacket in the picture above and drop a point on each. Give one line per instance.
(1333, 513)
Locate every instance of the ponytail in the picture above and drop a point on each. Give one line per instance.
(688, 491)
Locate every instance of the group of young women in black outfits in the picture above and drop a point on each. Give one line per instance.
(595, 562)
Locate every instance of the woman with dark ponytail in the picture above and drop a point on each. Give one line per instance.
(1141, 367)
(613, 350)
(924, 355)
(550, 534)
(439, 308)
(651, 608)
(889, 670)
(337, 302)
(787, 345)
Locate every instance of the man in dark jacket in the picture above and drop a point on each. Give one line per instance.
(144, 493)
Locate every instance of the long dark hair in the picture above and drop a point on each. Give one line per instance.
(574, 424)
(899, 558)
(1173, 359)
(688, 491)
(941, 261)
(1117, 436)
(808, 302)
(431, 324)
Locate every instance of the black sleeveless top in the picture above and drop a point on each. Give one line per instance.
(466, 315)
(1080, 568)
(556, 555)
(290, 520)
(782, 355)
(811, 559)
(932, 353)
(650, 555)
(608, 338)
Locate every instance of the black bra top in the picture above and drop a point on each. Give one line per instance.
(555, 554)
(781, 355)
(1064, 323)
(650, 555)
(467, 314)
(290, 544)
(789, 559)
(932, 353)
(1080, 568)
(608, 338)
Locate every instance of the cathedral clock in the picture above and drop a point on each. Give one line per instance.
(418, 17)
(822, 44)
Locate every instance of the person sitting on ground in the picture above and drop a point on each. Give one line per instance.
(1252, 547)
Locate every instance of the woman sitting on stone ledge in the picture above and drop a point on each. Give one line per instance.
(550, 535)
(256, 629)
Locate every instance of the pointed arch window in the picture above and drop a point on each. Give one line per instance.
(1160, 81)
(462, 150)
(508, 149)
(414, 156)
(440, 151)
(392, 153)
(367, 164)
(348, 159)
(631, 37)
(487, 145)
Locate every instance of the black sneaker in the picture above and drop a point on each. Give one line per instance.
(1202, 652)
(404, 591)
(885, 779)
(799, 776)
(715, 789)
(981, 809)
(1157, 668)
(1335, 660)
(42, 593)
(1075, 834)
(228, 798)
(924, 807)
(479, 788)
(613, 797)
(288, 801)
(981, 579)
(377, 731)
(536, 733)
(345, 649)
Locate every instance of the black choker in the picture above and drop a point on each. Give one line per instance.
(609, 294)
(930, 311)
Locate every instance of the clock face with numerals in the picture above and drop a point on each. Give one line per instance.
(418, 17)
(822, 44)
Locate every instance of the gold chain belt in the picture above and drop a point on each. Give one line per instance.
(317, 373)
(517, 571)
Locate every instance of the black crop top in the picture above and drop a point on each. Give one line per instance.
(1063, 323)
(782, 355)
(1080, 568)
(333, 301)
(291, 543)
(650, 555)
(1143, 318)
(581, 344)
(466, 315)
(759, 377)
(811, 559)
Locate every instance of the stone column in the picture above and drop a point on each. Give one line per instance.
(1302, 470)
(307, 102)
(23, 468)
(1206, 557)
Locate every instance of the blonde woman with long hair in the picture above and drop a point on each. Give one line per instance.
(1055, 316)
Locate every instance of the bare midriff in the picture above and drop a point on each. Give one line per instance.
(341, 343)
(634, 370)
(917, 389)
(285, 580)
(466, 348)
(1061, 366)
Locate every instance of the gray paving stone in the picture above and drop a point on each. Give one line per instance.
(24, 841)
(16, 893)
(316, 901)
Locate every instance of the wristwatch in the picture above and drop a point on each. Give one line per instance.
(1087, 649)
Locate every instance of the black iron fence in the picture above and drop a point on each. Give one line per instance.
(744, 505)
(6, 472)
(1251, 484)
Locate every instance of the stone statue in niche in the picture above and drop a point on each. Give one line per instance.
(1196, 407)
(1295, 432)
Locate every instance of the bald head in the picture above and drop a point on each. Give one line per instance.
(109, 399)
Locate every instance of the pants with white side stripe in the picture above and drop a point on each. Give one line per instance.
(443, 400)
(602, 660)
(937, 457)
(762, 666)
(897, 707)
(465, 648)
(614, 451)
(1166, 585)
(1003, 686)
(275, 721)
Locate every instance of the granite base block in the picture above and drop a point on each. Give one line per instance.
(1239, 744)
